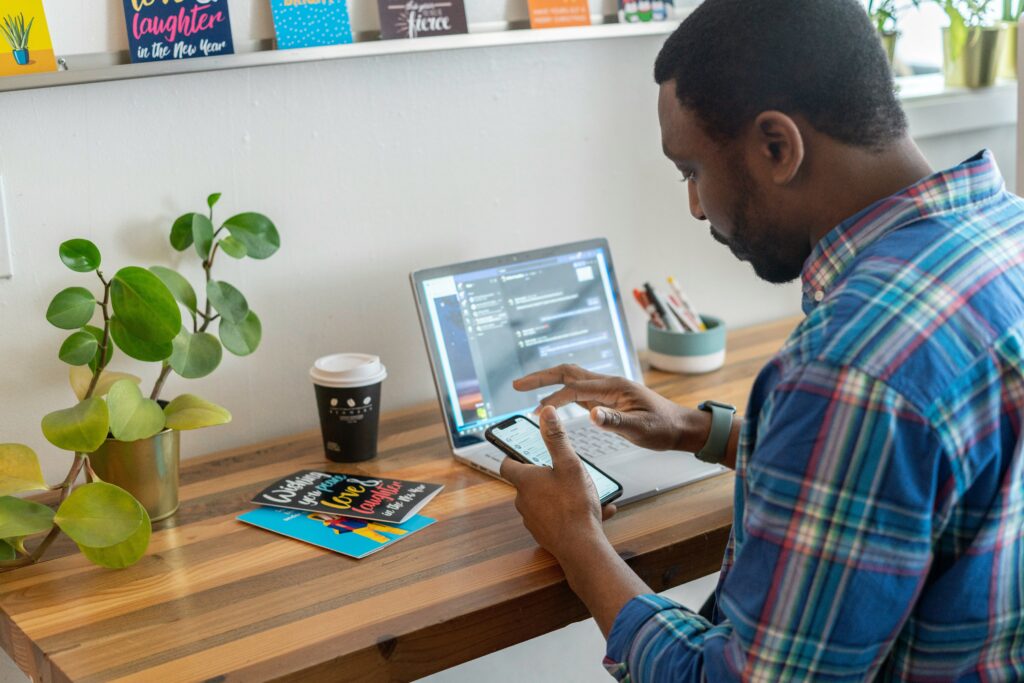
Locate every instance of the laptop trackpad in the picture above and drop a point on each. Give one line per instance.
(650, 473)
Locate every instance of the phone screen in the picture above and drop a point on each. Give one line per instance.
(524, 437)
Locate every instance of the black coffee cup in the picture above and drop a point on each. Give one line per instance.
(347, 389)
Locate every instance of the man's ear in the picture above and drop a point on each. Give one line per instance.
(780, 145)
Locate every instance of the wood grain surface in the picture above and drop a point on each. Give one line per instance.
(217, 600)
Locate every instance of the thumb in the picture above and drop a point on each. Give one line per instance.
(555, 438)
(616, 420)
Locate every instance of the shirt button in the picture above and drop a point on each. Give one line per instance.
(819, 295)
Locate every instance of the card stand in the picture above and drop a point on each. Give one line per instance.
(115, 66)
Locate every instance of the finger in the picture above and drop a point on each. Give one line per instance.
(608, 511)
(617, 421)
(556, 375)
(603, 390)
(512, 471)
(562, 454)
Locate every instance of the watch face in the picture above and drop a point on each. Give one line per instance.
(707, 405)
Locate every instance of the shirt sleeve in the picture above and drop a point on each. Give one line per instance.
(834, 525)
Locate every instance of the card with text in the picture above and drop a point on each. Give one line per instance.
(179, 29)
(558, 13)
(25, 45)
(310, 23)
(418, 19)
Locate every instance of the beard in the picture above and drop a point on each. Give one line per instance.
(774, 255)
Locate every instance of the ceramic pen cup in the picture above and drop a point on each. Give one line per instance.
(688, 353)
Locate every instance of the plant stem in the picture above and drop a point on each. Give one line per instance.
(104, 345)
(158, 387)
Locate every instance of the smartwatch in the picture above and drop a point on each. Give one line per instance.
(721, 427)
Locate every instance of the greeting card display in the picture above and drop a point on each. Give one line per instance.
(418, 19)
(25, 47)
(177, 29)
(558, 13)
(310, 23)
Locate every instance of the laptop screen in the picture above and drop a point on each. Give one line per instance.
(489, 322)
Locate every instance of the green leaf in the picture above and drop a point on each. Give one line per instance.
(227, 300)
(80, 378)
(191, 412)
(19, 517)
(213, 199)
(19, 470)
(125, 553)
(6, 551)
(132, 417)
(99, 515)
(202, 233)
(144, 304)
(179, 286)
(256, 232)
(80, 428)
(78, 349)
(139, 349)
(243, 338)
(71, 308)
(181, 232)
(195, 355)
(81, 256)
(232, 247)
(97, 334)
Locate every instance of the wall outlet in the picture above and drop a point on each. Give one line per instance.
(6, 268)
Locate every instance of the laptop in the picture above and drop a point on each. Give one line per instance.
(490, 321)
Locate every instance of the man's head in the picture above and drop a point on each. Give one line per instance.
(759, 100)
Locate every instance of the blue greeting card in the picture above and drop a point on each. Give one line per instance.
(308, 23)
(353, 537)
(159, 30)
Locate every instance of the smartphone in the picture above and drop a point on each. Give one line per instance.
(519, 437)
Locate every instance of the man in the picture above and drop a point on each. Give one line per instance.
(879, 504)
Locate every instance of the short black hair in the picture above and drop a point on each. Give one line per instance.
(822, 59)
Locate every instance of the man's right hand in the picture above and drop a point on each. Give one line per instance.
(626, 408)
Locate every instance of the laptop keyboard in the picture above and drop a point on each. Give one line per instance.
(596, 444)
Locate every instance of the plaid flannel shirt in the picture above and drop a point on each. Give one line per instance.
(879, 504)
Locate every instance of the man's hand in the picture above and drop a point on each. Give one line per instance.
(629, 409)
(559, 504)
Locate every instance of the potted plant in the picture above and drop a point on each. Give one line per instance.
(885, 16)
(114, 429)
(16, 34)
(1011, 19)
(972, 48)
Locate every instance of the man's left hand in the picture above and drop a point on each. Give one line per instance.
(559, 504)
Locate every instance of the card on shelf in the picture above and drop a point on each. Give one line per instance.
(558, 13)
(159, 30)
(311, 23)
(418, 19)
(353, 537)
(25, 46)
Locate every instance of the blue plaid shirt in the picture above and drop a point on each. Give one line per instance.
(879, 506)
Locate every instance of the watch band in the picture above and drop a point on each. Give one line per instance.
(721, 428)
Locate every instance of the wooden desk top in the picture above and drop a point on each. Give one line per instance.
(215, 599)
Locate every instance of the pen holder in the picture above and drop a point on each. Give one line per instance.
(690, 353)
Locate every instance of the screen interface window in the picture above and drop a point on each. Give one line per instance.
(494, 325)
(525, 438)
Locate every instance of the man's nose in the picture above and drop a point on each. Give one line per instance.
(695, 208)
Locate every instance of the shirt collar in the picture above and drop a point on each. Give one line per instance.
(973, 181)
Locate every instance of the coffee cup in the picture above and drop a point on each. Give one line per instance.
(348, 398)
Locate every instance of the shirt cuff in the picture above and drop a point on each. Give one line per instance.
(631, 617)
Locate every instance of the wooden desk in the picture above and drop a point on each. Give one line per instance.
(215, 599)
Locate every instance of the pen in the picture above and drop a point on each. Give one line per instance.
(677, 290)
(659, 306)
(645, 304)
(681, 313)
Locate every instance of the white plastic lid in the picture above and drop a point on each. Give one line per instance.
(344, 370)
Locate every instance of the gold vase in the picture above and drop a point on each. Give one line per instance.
(147, 469)
(889, 43)
(1008, 64)
(977, 63)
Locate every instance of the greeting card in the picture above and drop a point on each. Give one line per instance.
(309, 23)
(177, 29)
(416, 19)
(558, 13)
(25, 46)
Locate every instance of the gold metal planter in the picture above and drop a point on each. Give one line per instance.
(889, 44)
(1008, 64)
(977, 63)
(147, 469)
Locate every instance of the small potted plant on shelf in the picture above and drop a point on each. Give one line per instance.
(16, 33)
(885, 16)
(128, 444)
(1011, 19)
(972, 45)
